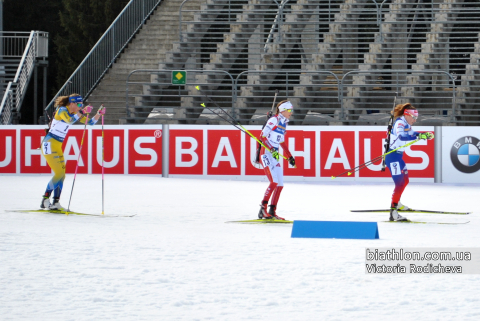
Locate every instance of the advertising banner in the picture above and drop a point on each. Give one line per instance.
(214, 151)
(460, 155)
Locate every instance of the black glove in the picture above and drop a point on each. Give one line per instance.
(291, 161)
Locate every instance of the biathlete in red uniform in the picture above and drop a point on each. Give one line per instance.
(405, 116)
(273, 136)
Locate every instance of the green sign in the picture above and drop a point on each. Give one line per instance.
(179, 77)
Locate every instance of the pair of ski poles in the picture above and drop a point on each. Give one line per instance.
(370, 162)
(233, 121)
(78, 160)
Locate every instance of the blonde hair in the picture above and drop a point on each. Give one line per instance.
(400, 109)
(277, 110)
(63, 100)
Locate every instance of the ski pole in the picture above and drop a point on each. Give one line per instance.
(362, 166)
(269, 114)
(103, 167)
(76, 168)
(243, 129)
(389, 130)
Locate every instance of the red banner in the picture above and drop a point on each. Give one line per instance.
(113, 146)
(8, 150)
(186, 152)
(31, 158)
(144, 151)
(302, 146)
(337, 152)
(71, 150)
(224, 155)
(208, 150)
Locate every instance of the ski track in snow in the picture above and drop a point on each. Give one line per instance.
(178, 260)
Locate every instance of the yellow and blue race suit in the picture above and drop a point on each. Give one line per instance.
(52, 147)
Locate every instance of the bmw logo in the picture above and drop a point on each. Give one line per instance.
(465, 154)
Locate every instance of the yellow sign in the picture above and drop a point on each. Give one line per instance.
(179, 77)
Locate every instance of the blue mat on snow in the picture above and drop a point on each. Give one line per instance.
(335, 229)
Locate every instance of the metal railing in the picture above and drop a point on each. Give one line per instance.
(13, 44)
(300, 29)
(7, 105)
(332, 102)
(367, 96)
(430, 44)
(12, 48)
(254, 92)
(165, 102)
(239, 27)
(102, 56)
(316, 37)
(14, 94)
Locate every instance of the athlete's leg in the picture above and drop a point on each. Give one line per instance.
(400, 183)
(400, 177)
(278, 190)
(399, 173)
(54, 155)
(276, 195)
(269, 166)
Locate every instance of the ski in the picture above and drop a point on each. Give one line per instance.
(412, 211)
(262, 221)
(64, 213)
(422, 222)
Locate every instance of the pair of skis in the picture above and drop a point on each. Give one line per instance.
(65, 213)
(411, 210)
(272, 221)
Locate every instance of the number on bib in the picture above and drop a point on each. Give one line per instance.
(265, 161)
(395, 168)
(47, 150)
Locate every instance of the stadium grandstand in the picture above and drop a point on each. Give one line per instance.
(340, 62)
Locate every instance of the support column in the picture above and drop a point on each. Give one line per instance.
(35, 94)
(438, 154)
(165, 150)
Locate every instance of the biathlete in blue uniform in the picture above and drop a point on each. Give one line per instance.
(273, 136)
(405, 116)
(69, 111)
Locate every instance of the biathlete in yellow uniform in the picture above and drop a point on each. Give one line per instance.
(69, 111)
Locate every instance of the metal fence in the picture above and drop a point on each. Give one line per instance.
(34, 46)
(164, 102)
(433, 46)
(300, 27)
(314, 103)
(337, 101)
(91, 70)
(7, 105)
(428, 43)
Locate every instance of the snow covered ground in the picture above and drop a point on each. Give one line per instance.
(178, 260)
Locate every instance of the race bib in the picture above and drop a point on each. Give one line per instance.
(47, 149)
(265, 161)
(395, 168)
(59, 128)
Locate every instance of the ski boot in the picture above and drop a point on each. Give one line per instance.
(45, 204)
(402, 207)
(56, 205)
(271, 212)
(263, 213)
(394, 216)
